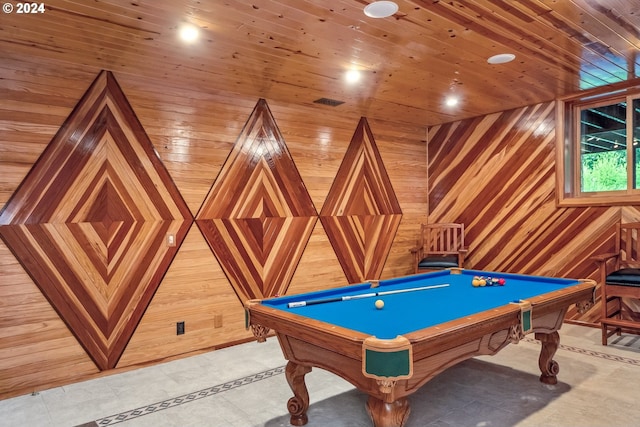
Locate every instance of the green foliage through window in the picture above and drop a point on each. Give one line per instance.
(604, 171)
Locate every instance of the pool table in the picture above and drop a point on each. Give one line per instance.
(428, 323)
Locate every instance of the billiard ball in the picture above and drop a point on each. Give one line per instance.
(379, 304)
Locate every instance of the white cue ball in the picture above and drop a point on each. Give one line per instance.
(379, 304)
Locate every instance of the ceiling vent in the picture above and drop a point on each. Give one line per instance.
(328, 101)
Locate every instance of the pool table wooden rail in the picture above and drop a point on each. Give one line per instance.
(310, 343)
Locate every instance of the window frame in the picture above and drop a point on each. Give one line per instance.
(568, 159)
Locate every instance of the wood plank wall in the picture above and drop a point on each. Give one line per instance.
(193, 132)
(496, 174)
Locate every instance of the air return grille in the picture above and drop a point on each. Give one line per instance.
(328, 101)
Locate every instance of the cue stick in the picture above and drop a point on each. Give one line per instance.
(367, 295)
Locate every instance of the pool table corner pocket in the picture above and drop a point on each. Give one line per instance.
(387, 361)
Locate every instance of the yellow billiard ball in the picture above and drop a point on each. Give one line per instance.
(379, 304)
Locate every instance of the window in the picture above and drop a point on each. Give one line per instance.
(598, 149)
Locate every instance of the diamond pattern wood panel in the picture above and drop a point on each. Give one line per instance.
(361, 214)
(258, 215)
(90, 221)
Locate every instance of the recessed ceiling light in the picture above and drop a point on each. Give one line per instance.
(352, 76)
(451, 101)
(380, 9)
(188, 33)
(501, 58)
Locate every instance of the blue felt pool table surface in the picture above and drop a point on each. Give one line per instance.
(412, 311)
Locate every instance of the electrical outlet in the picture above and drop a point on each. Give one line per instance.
(179, 328)
(171, 240)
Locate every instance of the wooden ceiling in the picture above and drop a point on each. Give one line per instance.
(297, 51)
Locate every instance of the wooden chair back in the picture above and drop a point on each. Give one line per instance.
(442, 239)
(628, 245)
(440, 245)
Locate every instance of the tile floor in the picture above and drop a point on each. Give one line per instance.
(245, 386)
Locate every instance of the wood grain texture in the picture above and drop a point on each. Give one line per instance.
(294, 52)
(495, 174)
(193, 102)
(38, 353)
(89, 221)
(258, 215)
(193, 132)
(361, 214)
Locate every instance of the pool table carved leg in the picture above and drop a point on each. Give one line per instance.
(299, 403)
(548, 366)
(384, 414)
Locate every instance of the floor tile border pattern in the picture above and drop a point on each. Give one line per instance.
(593, 353)
(201, 394)
(186, 398)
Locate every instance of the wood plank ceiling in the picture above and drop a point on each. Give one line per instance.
(297, 51)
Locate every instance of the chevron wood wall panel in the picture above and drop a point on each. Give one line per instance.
(496, 175)
(90, 221)
(258, 215)
(361, 214)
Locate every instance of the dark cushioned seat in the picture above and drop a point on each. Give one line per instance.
(438, 262)
(624, 277)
